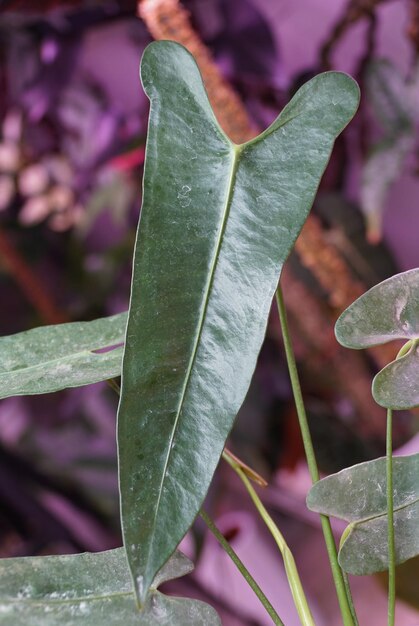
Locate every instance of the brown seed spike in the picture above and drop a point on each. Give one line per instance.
(167, 19)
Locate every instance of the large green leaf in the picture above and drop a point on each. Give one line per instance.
(50, 358)
(218, 221)
(92, 590)
(388, 311)
(358, 495)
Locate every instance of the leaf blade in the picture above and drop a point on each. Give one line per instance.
(365, 550)
(396, 386)
(51, 358)
(358, 495)
(229, 223)
(92, 588)
(385, 312)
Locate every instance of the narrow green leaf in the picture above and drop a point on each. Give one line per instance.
(358, 495)
(217, 223)
(388, 311)
(397, 385)
(92, 590)
(51, 358)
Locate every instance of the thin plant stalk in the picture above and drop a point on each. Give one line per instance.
(342, 590)
(114, 384)
(293, 577)
(242, 568)
(349, 595)
(248, 471)
(390, 517)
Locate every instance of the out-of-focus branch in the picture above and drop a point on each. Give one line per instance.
(28, 281)
(325, 354)
(413, 27)
(355, 11)
(334, 276)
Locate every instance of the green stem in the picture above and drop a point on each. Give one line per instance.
(349, 596)
(113, 384)
(342, 592)
(293, 577)
(242, 569)
(390, 528)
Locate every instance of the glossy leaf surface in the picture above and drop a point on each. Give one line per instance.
(358, 495)
(51, 358)
(217, 223)
(388, 311)
(92, 590)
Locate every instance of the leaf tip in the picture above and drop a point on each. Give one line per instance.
(165, 58)
(343, 93)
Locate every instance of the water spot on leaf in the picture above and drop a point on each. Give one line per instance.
(183, 196)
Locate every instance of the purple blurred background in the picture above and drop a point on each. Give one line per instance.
(73, 122)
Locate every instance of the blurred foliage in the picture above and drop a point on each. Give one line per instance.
(72, 129)
(393, 102)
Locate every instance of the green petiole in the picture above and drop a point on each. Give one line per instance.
(242, 569)
(342, 589)
(390, 515)
(293, 577)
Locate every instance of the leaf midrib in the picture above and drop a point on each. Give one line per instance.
(236, 151)
(68, 357)
(370, 518)
(58, 602)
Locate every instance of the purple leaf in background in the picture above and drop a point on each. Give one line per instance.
(89, 125)
(36, 74)
(243, 44)
(239, 37)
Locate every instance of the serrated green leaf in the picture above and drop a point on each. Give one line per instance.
(92, 589)
(358, 495)
(51, 358)
(217, 223)
(388, 311)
